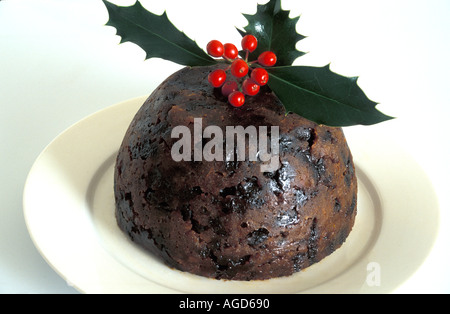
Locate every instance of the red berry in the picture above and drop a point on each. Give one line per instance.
(217, 77)
(229, 87)
(230, 51)
(236, 99)
(260, 76)
(249, 42)
(267, 59)
(215, 48)
(239, 68)
(250, 87)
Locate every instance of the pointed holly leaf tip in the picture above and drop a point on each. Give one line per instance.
(275, 32)
(323, 96)
(155, 34)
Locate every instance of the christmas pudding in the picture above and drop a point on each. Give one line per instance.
(228, 219)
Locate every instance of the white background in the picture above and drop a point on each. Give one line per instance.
(59, 63)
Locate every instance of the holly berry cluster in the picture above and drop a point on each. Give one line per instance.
(240, 68)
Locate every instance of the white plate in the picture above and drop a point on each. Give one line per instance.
(69, 211)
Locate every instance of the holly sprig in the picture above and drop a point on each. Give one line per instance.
(250, 74)
(315, 93)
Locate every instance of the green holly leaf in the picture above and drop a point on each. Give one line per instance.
(156, 35)
(275, 32)
(323, 96)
